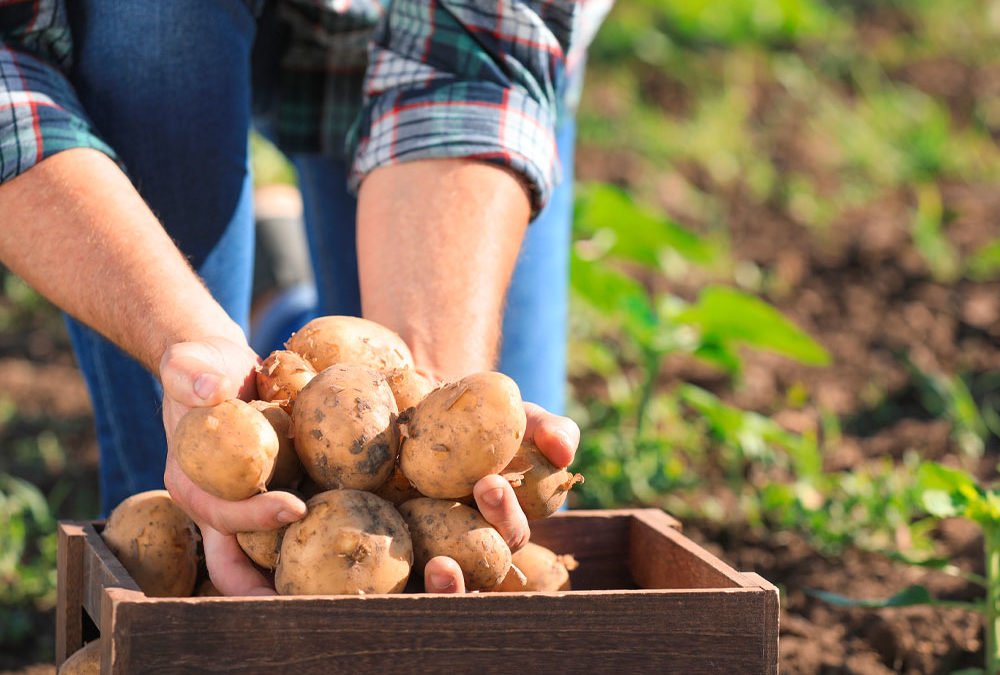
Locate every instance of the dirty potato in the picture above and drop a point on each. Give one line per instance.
(344, 427)
(540, 487)
(397, 489)
(288, 471)
(350, 542)
(440, 527)
(281, 377)
(461, 432)
(156, 542)
(84, 661)
(408, 387)
(262, 546)
(327, 340)
(543, 571)
(227, 450)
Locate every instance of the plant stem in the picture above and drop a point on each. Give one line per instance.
(651, 363)
(991, 616)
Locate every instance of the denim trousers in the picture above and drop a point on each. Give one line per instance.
(168, 85)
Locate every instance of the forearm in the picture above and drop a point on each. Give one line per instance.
(437, 243)
(76, 230)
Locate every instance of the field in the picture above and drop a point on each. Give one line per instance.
(786, 323)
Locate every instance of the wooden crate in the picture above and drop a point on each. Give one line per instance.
(645, 599)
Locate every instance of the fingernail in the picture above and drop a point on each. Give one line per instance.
(205, 385)
(564, 439)
(442, 582)
(493, 497)
(287, 517)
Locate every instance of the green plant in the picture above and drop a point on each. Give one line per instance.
(642, 440)
(952, 493)
(27, 557)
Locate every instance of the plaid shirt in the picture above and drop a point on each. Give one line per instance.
(376, 81)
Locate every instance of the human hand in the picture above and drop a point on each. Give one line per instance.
(206, 373)
(557, 438)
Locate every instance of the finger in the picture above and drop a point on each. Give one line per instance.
(266, 511)
(498, 504)
(557, 437)
(229, 568)
(443, 575)
(191, 377)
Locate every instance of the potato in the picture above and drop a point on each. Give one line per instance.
(328, 340)
(397, 489)
(350, 542)
(448, 528)
(282, 375)
(84, 661)
(540, 487)
(408, 387)
(344, 428)
(543, 569)
(461, 432)
(262, 546)
(227, 450)
(288, 472)
(156, 542)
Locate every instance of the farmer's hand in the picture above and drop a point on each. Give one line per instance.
(557, 438)
(206, 373)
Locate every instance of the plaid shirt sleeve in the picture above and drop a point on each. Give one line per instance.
(39, 112)
(471, 79)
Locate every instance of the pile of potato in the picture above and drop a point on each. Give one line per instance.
(386, 461)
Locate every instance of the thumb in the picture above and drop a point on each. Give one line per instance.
(191, 376)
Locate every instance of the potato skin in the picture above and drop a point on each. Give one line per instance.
(344, 426)
(397, 489)
(328, 340)
(440, 527)
(282, 375)
(288, 472)
(545, 571)
(408, 387)
(156, 542)
(461, 432)
(349, 543)
(542, 488)
(84, 661)
(262, 546)
(227, 450)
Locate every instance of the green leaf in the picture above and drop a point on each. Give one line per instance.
(726, 315)
(908, 597)
(614, 294)
(984, 264)
(640, 235)
(941, 504)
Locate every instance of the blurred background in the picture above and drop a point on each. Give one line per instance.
(786, 320)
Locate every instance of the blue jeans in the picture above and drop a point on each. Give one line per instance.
(168, 86)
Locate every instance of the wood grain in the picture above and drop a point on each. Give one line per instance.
(70, 586)
(629, 631)
(662, 557)
(101, 569)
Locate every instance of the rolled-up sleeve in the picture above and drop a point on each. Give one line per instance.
(469, 79)
(40, 114)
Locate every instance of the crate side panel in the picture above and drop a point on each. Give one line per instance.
(683, 632)
(662, 557)
(69, 585)
(101, 570)
(599, 542)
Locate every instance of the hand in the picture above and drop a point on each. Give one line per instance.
(557, 438)
(206, 373)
